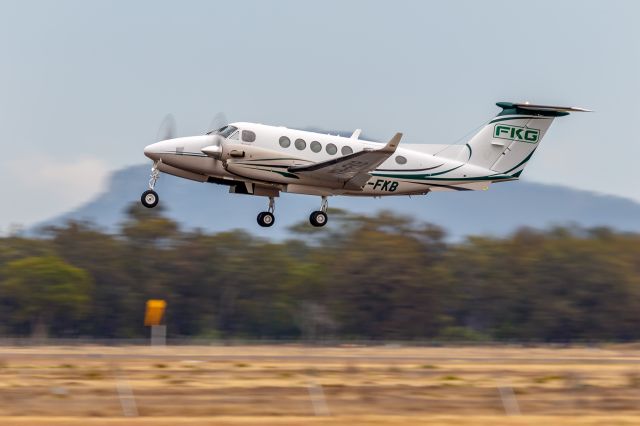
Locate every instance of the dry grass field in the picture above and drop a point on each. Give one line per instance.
(292, 385)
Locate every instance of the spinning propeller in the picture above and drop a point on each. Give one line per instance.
(215, 149)
(167, 129)
(218, 121)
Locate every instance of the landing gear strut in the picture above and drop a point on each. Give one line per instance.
(319, 218)
(150, 198)
(266, 219)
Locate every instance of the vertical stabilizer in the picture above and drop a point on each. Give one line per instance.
(507, 142)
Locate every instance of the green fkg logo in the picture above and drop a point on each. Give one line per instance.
(522, 134)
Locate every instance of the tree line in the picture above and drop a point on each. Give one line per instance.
(375, 277)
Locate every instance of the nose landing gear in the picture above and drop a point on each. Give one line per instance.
(150, 198)
(319, 218)
(266, 219)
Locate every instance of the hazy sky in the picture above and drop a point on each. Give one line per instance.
(84, 85)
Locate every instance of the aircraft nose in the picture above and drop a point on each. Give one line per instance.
(152, 151)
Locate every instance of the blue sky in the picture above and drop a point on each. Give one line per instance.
(84, 85)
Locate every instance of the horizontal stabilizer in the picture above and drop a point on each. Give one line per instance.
(540, 108)
(551, 108)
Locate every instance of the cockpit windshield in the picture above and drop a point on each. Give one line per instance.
(225, 131)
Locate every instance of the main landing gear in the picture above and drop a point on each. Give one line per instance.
(266, 219)
(319, 218)
(150, 198)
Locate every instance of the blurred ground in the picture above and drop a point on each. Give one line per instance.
(289, 385)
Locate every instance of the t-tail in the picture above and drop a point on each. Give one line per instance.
(506, 144)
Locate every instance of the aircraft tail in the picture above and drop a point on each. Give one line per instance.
(507, 142)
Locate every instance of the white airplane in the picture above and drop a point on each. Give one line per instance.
(264, 160)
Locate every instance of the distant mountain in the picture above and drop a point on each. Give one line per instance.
(498, 211)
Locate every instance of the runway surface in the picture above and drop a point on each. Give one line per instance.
(295, 384)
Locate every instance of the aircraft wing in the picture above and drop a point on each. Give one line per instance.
(351, 171)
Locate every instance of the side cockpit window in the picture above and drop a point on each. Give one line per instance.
(248, 136)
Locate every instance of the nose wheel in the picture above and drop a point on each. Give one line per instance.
(319, 218)
(266, 219)
(150, 198)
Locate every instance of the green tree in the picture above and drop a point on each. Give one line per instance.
(44, 292)
(382, 276)
(384, 281)
(103, 256)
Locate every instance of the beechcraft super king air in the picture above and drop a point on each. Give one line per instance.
(262, 160)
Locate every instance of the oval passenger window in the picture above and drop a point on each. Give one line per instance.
(401, 160)
(284, 141)
(248, 136)
(300, 144)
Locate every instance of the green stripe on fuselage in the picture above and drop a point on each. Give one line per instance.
(428, 178)
(519, 117)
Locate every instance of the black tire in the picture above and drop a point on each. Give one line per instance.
(149, 198)
(318, 218)
(266, 219)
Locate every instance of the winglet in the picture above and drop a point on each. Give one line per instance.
(356, 134)
(393, 143)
